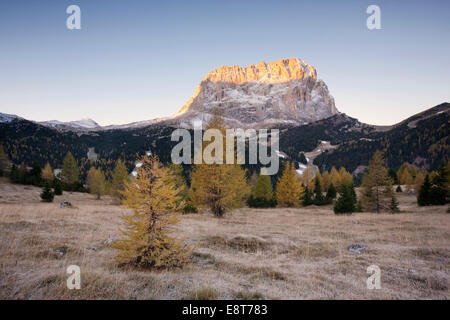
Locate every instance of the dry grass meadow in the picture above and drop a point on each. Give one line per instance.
(249, 254)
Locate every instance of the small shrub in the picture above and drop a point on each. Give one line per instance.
(47, 194)
(58, 188)
(189, 208)
(245, 295)
(204, 294)
(399, 189)
(261, 202)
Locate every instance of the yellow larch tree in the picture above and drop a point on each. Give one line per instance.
(289, 191)
(152, 197)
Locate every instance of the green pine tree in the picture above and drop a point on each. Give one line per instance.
(263, 188)
(394, 204)
(318, 196)
(57, 187)
(262, 196)
(346, 201)
(439, 192)
(3, 161)
(423, 197)
(331, 193)
(47, 194)
(307, 199)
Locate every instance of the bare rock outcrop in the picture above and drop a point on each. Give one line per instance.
(286, 91)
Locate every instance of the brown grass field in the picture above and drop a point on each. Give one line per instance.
(249, 254)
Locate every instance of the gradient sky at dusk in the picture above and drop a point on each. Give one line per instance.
(136, 60)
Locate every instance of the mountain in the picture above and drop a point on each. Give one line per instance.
(283, 92)
(84, 125)
(340, 140)
(422, 140)
(6, 118)
(81, 125)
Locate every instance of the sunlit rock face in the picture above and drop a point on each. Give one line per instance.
(265, 95)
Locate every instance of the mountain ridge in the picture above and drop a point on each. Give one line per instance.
(425, 144)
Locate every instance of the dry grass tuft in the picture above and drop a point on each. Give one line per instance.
(244, 243)
(204, 294)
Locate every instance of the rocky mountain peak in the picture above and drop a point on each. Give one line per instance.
(283, 70)
(286, 91)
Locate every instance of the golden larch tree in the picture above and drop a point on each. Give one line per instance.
(98, 186)
(146, 241)
(47, 173)
(376, 185)
(219, 187)
(289, 191)
(326, 181)
(119, 178)
(335, 177)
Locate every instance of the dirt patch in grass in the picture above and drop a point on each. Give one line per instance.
(244, 243)
(314, 251)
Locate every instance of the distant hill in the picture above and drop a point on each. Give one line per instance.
(422, 139)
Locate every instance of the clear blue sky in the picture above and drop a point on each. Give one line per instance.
(136, 60)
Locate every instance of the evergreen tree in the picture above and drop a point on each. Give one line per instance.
(47, 194)
(57, 187)
(423, 197)
(377, 186)
(70, 172)
(331, 193)
(3, 161)
(34, 177)
(399, 189)
(393, 175)
(23, 174)
(393, 206)
(346, 200)
(263, 188)
(152, 196)
(14, 175)
(318, 196)
(302, 158)
(262, 196)
(289, 191)
(307, 198)
(120, 177)
(439, 192)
